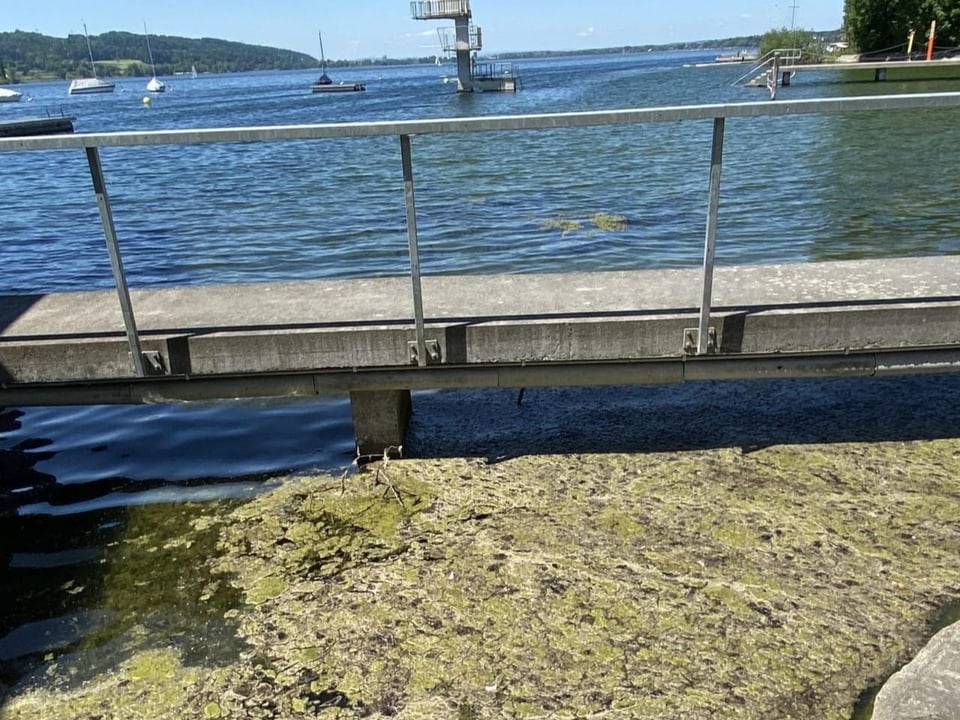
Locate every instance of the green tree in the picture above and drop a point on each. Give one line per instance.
(878, 25)
(804, 40)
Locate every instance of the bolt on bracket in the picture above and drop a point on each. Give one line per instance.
(433, 351)
(153, 363)
(691, 340)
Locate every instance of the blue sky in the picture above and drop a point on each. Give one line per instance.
(372, 28)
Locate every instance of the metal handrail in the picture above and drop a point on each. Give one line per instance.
(788, 55)
(488, 123)
(697, 340)
(430, 9)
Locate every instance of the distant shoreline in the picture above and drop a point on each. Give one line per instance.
(254, 58)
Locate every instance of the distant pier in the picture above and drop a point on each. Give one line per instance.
(875, 71)
(37, 126)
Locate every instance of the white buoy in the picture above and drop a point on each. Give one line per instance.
(147, 100)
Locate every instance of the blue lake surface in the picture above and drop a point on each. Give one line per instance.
(795, 189)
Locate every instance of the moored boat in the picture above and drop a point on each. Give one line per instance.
(156, 85)
(9, 95)
(91, 85)
(325, 85)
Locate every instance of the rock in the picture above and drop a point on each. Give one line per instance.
(928, 687)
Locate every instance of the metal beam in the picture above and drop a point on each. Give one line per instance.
(710, 242)
(485, 123)
(116, 262)
(407, 161)
(667, 371)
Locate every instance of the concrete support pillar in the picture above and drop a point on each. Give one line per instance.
(380, 420)
(464, 74)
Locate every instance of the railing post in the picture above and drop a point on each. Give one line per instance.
(116, 262)
(710, 243)
(774, 78)
(414, 248)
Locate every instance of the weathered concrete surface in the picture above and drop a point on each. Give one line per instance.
(296, 326)
(928, 687)
(381, 420)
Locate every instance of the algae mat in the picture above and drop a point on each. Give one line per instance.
(778, 583)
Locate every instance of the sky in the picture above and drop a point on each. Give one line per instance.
(357, 29)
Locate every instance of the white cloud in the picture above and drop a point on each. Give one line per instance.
(586, 33)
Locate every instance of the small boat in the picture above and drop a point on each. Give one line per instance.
(193, 71)
(89, 86)
(9, 95)
(325, 85)
(740, 57)
(155, 85)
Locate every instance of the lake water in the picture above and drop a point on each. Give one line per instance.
(794, 190)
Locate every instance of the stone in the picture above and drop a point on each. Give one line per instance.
(928, 687)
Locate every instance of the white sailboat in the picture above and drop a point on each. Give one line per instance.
(155, 85)
(88, 86)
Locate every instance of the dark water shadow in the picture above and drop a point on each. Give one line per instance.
(88, 590)
(492, 424)
(93, 572)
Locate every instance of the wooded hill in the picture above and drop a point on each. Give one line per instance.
(32, 56)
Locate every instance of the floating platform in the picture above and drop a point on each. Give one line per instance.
(337, 87)
(874, 71)
(889, 69)
(39, 126)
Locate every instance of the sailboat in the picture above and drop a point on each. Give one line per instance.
(88, 86)
(325, 84)
(155, 84)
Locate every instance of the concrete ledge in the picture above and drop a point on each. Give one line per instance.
(506, 319)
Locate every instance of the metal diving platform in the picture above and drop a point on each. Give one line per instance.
(465, 40)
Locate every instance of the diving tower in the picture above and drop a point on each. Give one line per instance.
(466, 38)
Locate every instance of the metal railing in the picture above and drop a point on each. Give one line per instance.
(493, 71)
(439, 9)
(782, 56)
(450, 43)
(404, 130)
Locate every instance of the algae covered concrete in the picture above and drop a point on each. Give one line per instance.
(781, 582)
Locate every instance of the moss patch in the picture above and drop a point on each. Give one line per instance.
(717, 584)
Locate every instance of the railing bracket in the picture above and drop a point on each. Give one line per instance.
(153, 363)
(433, 352)
(691, 340)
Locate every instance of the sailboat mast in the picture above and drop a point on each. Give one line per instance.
(149, 51)
(89, 49)
(323, 60)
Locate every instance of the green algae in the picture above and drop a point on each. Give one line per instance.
(606, 222)
(716, 584)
